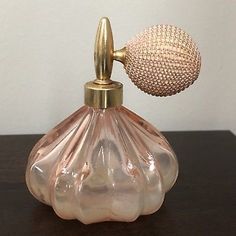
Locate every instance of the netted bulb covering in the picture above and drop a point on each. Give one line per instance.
(162, 60)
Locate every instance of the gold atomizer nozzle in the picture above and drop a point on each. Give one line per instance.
(103, 51)
(162, 60)
(103, 92)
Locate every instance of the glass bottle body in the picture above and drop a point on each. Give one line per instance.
(100, 165)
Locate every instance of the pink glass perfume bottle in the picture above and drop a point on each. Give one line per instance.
(104, 162)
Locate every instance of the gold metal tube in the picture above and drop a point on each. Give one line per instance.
(119, 55)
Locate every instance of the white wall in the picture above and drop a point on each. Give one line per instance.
(46, 55)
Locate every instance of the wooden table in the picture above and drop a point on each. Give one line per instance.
(203, 201)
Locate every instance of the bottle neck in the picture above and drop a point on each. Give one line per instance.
(103, 95)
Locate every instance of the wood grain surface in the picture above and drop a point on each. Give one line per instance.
(203, 201)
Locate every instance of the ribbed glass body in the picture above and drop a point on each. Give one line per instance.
(100, 165)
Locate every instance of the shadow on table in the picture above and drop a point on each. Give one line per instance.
(45, 222)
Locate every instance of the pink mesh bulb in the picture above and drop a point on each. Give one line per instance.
(102, 165)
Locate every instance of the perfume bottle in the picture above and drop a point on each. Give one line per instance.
(104, 162)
